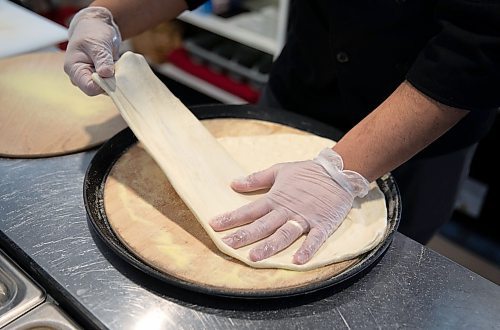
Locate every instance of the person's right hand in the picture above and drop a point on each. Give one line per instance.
(94, 42)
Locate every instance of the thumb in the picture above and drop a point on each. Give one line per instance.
(80, 75)
(104, 64)
(256, 181)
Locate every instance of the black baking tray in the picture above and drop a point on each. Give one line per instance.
(111, 151)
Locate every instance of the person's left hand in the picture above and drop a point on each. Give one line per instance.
(310, 197)
(93, 45)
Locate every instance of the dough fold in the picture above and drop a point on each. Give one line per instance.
(200, 168)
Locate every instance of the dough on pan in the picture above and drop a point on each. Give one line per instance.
(361, 231)
(200, 169)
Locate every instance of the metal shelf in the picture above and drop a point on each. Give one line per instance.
(263, 29)
(198, 84)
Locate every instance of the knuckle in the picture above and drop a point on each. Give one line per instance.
(261, 227)
(283, 213)
(285, 234)
(67, 67)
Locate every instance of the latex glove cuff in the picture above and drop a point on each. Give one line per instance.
(351, 181)
(100, 13)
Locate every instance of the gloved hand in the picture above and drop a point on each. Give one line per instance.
(309, 197)
(94, 42)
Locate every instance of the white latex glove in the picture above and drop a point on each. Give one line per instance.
(309, 197)
(94, 42)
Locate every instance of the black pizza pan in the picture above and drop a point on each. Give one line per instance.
(111, 151)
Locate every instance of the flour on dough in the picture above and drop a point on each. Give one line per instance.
(362, 230)
(200, 170)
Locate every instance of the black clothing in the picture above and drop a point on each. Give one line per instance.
(193, 4)
(428, 186)
(343, 58)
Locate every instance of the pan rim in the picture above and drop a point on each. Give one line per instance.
(115, 147)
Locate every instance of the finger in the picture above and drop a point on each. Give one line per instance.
(103, 62)
(257, 230)
(241, 216)
(281, 239)
(81, 76)
(256, 181)
(311, 245)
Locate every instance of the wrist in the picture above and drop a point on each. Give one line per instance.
(351, 181)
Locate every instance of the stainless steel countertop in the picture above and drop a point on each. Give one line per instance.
(19, 294)
(44, 227)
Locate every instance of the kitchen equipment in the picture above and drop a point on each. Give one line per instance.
(45, 317)
(237, 61)
(109, 153)
(43, 114)
(18, 294)
(56, 243)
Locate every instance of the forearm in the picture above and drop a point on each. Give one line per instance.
(134, 17)
(404, 124)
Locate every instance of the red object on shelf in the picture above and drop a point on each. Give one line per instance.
(180, 58)
(62, 16)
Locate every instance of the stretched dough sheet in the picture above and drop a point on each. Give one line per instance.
(152, 221)
(200, 169)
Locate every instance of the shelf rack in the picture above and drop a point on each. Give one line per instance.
(263, 29)
(198, 84)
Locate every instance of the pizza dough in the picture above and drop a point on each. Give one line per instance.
(43, 114)
(364, 226)
(200, 169)
(151, 220)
